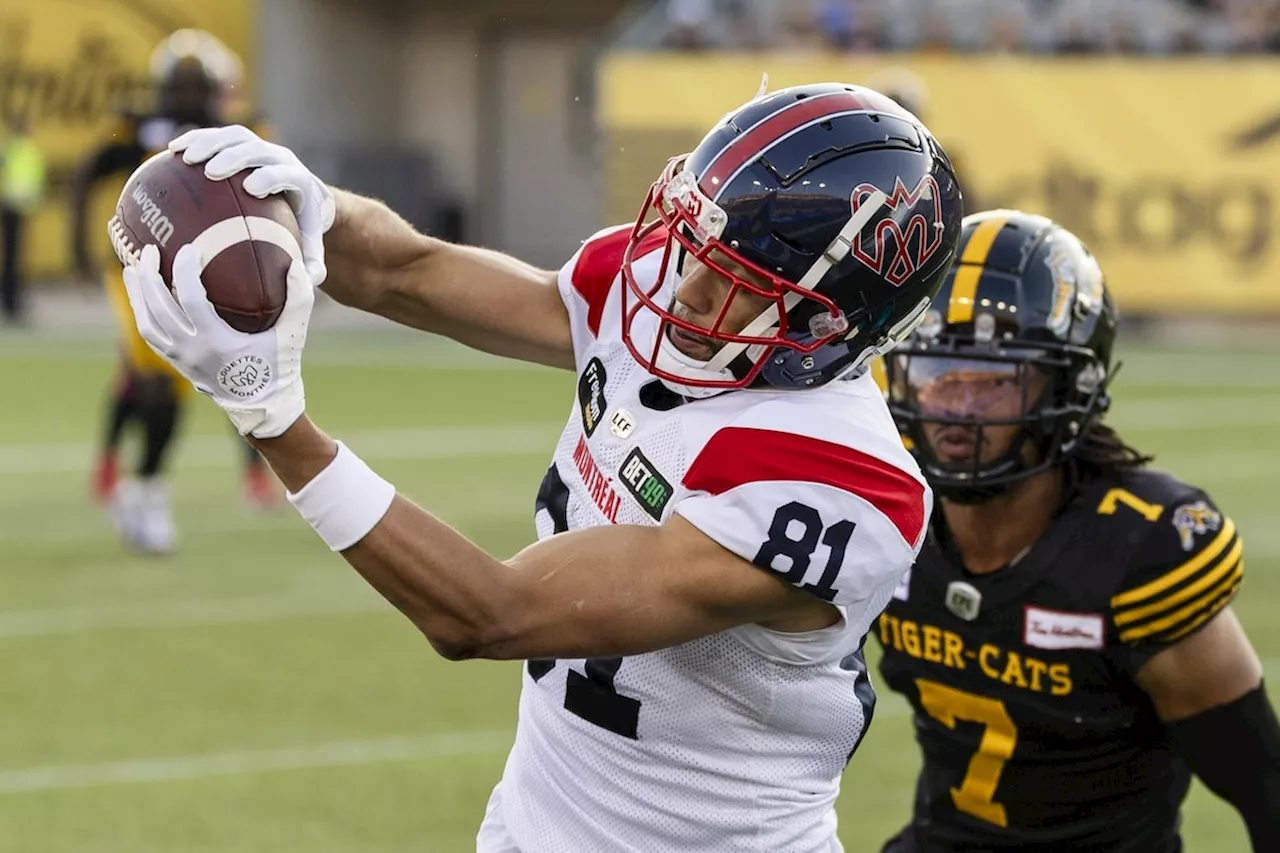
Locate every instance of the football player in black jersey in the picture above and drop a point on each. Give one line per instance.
(195, 76)
(1065, 638)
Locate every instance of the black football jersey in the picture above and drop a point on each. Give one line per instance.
(132, 139)
(135, 137)
(1033, 732)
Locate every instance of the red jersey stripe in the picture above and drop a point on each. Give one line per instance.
(598, 267)
(738, 455)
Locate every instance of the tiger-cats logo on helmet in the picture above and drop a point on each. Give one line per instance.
(912, 222)
(1077, 283)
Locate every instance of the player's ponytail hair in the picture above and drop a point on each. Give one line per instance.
(1103, 452)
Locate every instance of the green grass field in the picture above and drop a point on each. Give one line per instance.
(252, 694)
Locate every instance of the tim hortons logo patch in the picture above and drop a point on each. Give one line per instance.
(1053, 629)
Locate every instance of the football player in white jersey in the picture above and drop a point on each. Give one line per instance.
(729, 507)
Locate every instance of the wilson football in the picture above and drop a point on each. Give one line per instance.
(246, 244)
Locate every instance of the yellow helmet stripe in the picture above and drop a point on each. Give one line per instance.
(965, 284)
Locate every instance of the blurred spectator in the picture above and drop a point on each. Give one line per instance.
(935, 30)
(837, 21)
(22, 174)
(689, 23)
(752, 23)
(1078, 27)
(1006, 29)
(850, 25)
(798, 26)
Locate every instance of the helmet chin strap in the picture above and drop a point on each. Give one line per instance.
(671, 360)
(969, 495)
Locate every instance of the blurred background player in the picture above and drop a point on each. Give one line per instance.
(904, 86)
(196, 78)
(22, 179)
(1065, 637)
(909, 89)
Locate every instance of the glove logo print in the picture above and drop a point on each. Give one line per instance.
(245, 376)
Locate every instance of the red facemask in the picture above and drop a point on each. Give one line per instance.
(687, 222)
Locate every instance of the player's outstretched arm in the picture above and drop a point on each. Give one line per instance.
(602, 591)
(484, 299)
(366, 256)
(78, 199)
(1208, 690)
(97, 165)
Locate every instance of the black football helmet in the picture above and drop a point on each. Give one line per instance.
(195, 76)
(842, 207)
(1020, 335)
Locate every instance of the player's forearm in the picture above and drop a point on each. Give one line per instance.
(445, 585)
(549, 601)
(367, 248)
(1235, 750)
(594, 592)
(79, 202)
(546, 602)
(450, 589)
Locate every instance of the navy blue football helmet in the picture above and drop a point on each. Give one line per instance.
(839, 204)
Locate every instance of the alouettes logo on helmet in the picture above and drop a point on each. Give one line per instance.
(910, 233)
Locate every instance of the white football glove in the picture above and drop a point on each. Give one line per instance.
(256, 379)
(232, 149)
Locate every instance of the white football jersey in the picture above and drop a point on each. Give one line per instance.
(736, 741)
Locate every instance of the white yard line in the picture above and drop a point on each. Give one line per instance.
(240, 763)
(352, 753)
(333, 754)
(188, 614)
(517, 439)
(466, 502)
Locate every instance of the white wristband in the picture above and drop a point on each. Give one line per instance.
(344, 501)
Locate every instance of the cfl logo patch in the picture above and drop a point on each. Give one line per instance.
(622, 424)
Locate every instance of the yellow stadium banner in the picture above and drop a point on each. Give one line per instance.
(1169, 169)
(69, 66)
